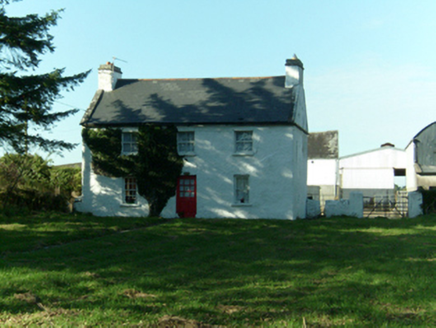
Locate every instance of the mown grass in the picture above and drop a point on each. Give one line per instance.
(202, 273)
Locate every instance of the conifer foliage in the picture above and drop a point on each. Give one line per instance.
(156, 166)
(26, 99)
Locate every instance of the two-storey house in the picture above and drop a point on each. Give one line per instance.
(244, 142)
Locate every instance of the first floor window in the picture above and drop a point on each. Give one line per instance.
(242, 189)
(129, 143)
(185, 143)
(130, 191)
(243, 142)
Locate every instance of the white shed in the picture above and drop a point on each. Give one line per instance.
(372, 172)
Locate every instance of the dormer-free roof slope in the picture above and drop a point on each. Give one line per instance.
(193, 101)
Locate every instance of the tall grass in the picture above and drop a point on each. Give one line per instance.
(269, 273)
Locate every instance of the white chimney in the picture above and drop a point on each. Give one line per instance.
(108, 75)
(294, 72)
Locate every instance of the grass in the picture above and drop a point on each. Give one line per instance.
(85, 271)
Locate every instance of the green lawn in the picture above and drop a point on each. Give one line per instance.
(84, 271)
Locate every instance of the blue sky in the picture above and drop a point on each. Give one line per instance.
(370, 65)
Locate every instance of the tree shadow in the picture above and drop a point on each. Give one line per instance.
(196, 101)
(262, 268)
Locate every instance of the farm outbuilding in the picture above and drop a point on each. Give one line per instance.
(421, 159)
(372, 172)
(322, 166)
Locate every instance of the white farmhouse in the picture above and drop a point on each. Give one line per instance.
(244, 142)
(372, 172)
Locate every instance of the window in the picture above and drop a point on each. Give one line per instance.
(185, 143)
(129, 143)
(243, 142)
(242, 189)
(130, 191)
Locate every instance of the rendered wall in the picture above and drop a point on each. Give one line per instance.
(415, 204)
(277, 172)
(345, 207)
(321, 172)
(411, 179)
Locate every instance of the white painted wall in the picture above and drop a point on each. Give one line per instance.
(277, 170)
(371, 169)
(321, 172)
(411, 179)
(108, 75)
(367, 178)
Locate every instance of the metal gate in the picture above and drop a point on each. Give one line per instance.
(389, 206)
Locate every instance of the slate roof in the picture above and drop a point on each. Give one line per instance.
(262, 100)
(323, 145)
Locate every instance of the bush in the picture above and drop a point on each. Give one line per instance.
(28, 182)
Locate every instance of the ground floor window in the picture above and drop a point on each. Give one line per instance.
(242, 189)
(130, 191)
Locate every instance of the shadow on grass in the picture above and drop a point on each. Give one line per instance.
(236, 272)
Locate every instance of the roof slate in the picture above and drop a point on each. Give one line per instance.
(323, 145)
(193, 101)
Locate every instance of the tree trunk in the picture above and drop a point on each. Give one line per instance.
(156, 206)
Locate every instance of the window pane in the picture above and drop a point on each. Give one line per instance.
(129, 143)
(241, 189)
(130, 191)
(185, 142)
(244, 141)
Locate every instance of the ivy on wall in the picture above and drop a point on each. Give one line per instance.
(156, 166)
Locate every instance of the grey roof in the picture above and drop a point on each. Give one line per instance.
(193, 101)
(323, 145)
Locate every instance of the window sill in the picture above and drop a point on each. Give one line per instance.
(242, 205)
(244, 154)
(188, 154)
(130, 205)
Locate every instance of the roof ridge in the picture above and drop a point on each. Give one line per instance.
(203, 78)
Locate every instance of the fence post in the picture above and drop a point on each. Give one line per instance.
(356, 204)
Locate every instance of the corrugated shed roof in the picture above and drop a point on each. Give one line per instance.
(323, 145)
(193, 101)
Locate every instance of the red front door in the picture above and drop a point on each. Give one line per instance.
(186, 202)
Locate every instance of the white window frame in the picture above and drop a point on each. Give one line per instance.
(130, 189)
(239, 150)
(132, 143)
(189, 143)
(241, 197)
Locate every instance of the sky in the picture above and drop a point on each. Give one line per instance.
(370, 65)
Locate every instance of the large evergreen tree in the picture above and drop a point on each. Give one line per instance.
(156, 166)
(26, 100)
